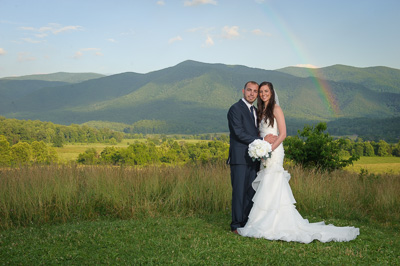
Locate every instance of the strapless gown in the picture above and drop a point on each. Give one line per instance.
(274, 215)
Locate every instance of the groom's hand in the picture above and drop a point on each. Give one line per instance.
(270, 138)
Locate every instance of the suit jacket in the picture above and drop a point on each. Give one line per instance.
(243, 131)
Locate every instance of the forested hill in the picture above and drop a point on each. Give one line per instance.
(381, 79)
(59, 76)
(194, 97)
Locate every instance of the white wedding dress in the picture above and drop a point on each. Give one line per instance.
(274, 215)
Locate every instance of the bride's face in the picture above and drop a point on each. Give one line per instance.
(265, 94)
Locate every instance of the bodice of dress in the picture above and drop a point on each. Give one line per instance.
(278, 154)
(265, 129)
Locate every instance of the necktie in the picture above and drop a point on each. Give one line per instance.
(252, 112)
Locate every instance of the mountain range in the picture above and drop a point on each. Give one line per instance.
(194, 97)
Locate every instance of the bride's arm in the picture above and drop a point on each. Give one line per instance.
(280, 119)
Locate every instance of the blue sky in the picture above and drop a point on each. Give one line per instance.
(109, 37)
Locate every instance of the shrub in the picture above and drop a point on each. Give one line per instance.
(314, 148)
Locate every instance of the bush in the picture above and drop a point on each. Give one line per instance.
(314, 148)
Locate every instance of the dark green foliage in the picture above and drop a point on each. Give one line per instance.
(372, 129)
(314, 148)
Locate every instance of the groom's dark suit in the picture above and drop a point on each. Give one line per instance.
(243, 131)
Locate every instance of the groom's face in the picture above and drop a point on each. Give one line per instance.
(250, 92)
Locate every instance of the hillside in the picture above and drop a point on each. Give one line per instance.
(59, 76)
(380, 79)
(194, 97)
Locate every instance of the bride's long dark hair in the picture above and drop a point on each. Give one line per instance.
(266, 112)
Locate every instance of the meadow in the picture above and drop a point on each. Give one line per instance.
(374, 165)
(180, 215)
(377, 165)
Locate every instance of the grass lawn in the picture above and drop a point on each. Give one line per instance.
(187, 240)
(377, 165)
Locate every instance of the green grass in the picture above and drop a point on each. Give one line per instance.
(204, 240)
(376, 165)
(70, 214)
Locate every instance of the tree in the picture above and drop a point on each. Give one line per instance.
(359, 149)
(5, 152)
(314, 148)
(383, 148)
(21, 153)
(88, 157)
(368, 149)
(39, 151)
(396, 150)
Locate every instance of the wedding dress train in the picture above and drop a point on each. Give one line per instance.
(274, 215)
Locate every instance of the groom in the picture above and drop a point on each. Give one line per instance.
(242, 120)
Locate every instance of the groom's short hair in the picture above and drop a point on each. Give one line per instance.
(252, 82)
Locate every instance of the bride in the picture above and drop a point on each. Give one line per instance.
(274, 215)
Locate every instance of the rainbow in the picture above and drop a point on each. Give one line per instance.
(324, 89)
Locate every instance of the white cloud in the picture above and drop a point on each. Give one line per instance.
(209, 42)
(161, 3)
(78, 55)
(306, 65)
(201, 29)
(53, 28)
(111, 40)
(41, 35)
(24, 57)
(2, 51)
(27, 28)
(81, 52)
(230, 32)
(260, 32)
(67, 28)
(30, 40)
(199, 2)
(175, 39)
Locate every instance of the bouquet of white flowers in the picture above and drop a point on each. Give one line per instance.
(260, 149)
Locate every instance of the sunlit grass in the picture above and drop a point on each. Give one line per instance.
(376, 165)
(53, 194)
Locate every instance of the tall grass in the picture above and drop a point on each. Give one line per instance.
(61, 193)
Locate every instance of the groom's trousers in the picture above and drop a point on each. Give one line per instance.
(242, 176)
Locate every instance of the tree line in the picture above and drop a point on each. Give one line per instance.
(34, 130)
(154, 151)
(27, 142)
(21, 153)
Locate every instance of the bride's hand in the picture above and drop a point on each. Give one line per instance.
(270, 138)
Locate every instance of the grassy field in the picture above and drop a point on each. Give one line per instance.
(377, 165)
(189, 240)
(69, 214)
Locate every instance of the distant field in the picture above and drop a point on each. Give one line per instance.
(70, 152)
(377, 165)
